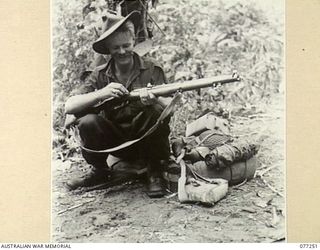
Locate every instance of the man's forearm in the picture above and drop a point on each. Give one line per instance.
(78, 103)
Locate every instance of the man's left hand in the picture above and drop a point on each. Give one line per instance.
(147, 98)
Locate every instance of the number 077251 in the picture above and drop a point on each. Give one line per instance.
(306, 245)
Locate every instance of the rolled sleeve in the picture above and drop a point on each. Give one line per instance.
(88, 86)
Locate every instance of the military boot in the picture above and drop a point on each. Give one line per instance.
(94, 177)
(156, 187)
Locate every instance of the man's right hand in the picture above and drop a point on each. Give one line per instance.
(113, 89)
(78, 103)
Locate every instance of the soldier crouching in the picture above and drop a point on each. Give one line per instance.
(118, 123)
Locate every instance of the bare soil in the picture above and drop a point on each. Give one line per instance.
(251, 212)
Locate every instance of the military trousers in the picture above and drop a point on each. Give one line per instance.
(99, 133)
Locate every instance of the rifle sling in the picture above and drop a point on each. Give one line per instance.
(163, 115)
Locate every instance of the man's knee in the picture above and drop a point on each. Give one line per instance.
(88, 121)
(154, 110)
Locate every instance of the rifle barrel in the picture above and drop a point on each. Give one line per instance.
(167, 89)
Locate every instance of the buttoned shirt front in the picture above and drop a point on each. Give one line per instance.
(145, 71)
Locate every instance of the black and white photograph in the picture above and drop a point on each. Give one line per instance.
(168, 121)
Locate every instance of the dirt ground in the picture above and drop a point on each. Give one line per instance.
(251, 212)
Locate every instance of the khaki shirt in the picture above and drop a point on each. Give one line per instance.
(145, 71)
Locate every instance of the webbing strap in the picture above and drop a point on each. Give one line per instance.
(168, 109)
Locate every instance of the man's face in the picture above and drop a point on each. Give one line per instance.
(120, 45)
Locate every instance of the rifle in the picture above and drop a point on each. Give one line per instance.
(162, 90)
(171, 88)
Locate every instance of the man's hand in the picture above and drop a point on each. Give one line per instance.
(78, 103)
(70, 120)
(113, 89)
(147, 98)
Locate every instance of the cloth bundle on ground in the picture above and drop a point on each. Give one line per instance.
(229, 153)
(212, 152)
